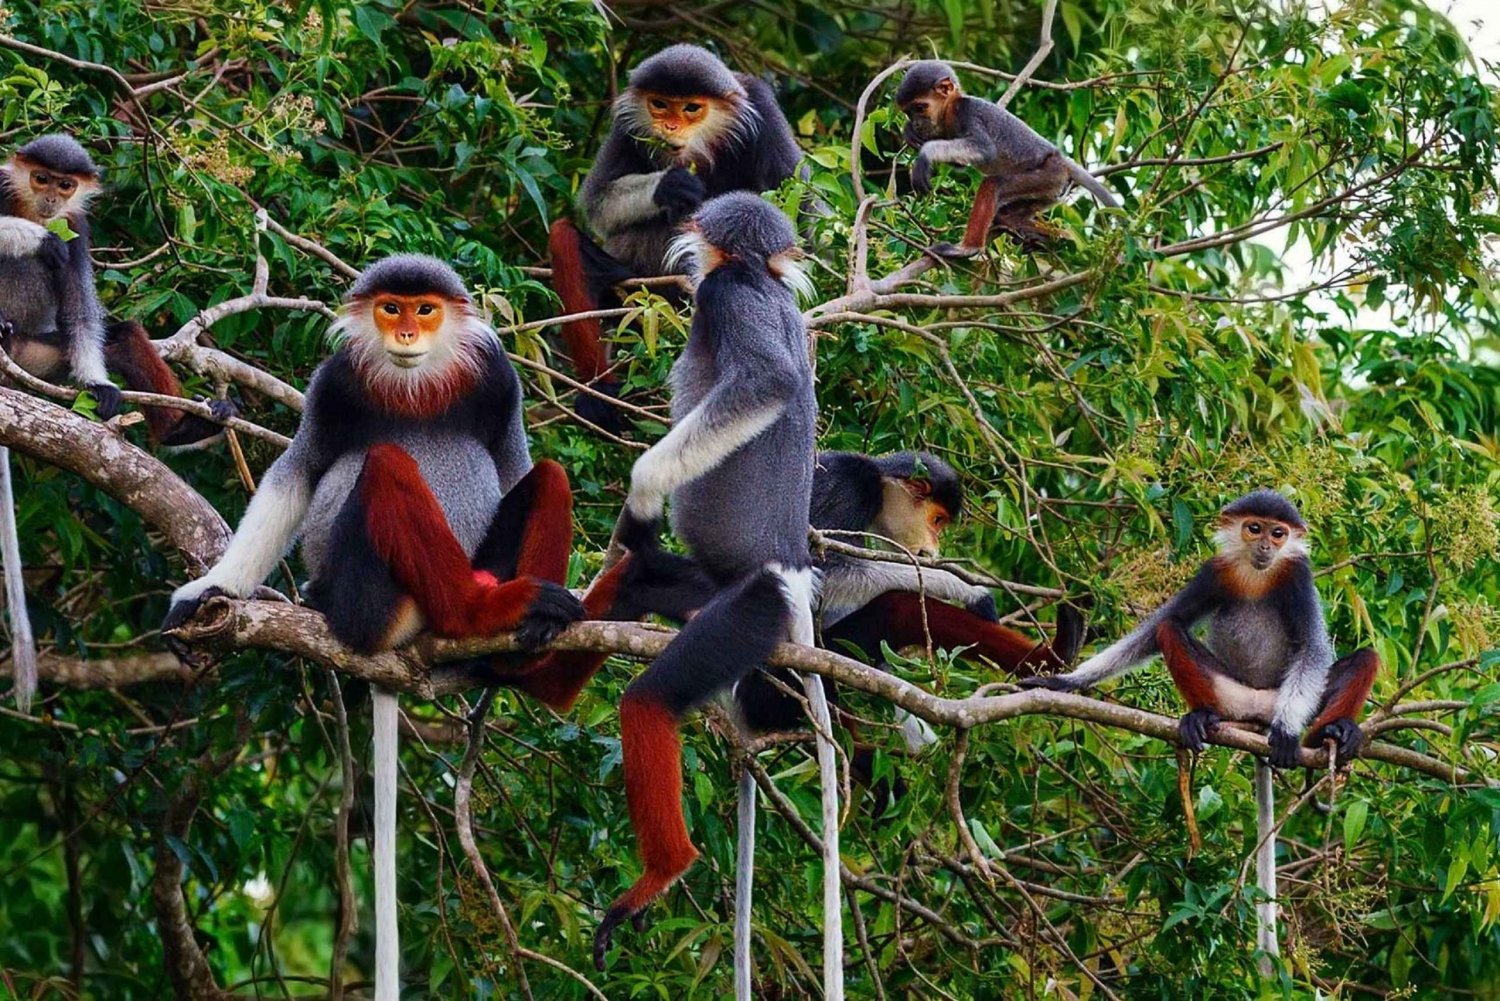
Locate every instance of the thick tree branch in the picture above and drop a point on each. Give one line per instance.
(95, 452)
(421, 669)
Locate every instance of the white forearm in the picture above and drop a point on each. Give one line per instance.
(956, 151)
(849, 585)
(689, 450)
(628, 201)
(264, 535)
(1134, 649)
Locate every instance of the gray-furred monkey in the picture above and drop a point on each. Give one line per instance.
(687, 128)
(1268, 658)
(412, 487)
(738, 466)
(1023, 172)
(50, 317)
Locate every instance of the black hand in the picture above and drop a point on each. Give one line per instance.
(921, 175)
(679, 193)
(602, 413)
(550, 612)
(179, 614)
(1347, 734)
(222, 410)
(1284, 747)
(1072, 630)
(1051, 682)
(984, 607)
(1193, 727)
(106, 399)
(7, 331)
(53, 254)
(638, 533)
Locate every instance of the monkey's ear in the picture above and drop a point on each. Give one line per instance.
(919, 489)
(944, 87)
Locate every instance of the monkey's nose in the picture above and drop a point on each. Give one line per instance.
(406, 336)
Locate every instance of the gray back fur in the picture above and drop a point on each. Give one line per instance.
(749, 343)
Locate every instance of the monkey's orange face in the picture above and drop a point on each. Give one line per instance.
(51, 194)
(409, 325)
(911, 518)
(1254, 543)
(679, 120)
(929, 112)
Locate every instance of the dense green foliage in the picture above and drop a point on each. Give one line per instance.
(1099, 428)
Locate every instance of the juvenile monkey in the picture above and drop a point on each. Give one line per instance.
(1023, 173)
(1268, 658)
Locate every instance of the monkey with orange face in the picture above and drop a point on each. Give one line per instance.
(1267, 659)
(685, 129)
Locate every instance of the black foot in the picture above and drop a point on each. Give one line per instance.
(1051, 682)
(222, 410)
(983, 607)
(550, 612)
(954, 251)
(1072, 629)
(1193, 727)
(1284, 748)
(107, 399)
(1347, 735)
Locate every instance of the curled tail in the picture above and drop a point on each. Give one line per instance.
(1086, 180)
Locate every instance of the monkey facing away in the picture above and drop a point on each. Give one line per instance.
(738, 466)
(50, 318)
(685, 129)
(411, 486)
(1024, 173)
(1267, 659)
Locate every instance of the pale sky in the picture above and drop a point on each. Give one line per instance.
(1479, 23)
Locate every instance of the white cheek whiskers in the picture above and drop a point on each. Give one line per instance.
(456, 350)
(692, 254)
(788, 268)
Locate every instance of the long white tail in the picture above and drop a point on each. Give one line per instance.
(1265, 866)
(744, 886)
(22, 645)
(387, 943)
(828, 778)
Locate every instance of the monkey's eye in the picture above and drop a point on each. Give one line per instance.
(391, 309)
(426, 309)
(1278, 532)
(41, 177)
(658, 104)
(940, 521)
(1253, 528)
(692, 107)
(66, 185)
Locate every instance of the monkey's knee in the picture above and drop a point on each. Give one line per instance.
(390, 462)
(550, 486)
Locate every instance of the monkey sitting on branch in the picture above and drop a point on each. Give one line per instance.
(1268, 658)
(1024, 173)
